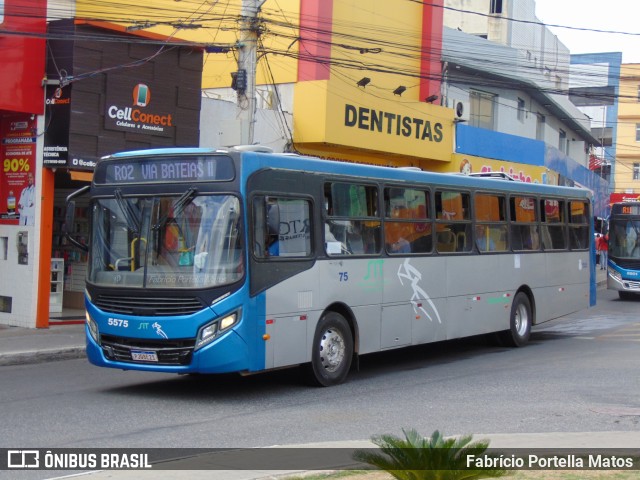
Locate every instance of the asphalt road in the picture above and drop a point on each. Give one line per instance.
(578, 374)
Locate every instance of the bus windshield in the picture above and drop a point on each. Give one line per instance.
(624, 238)
(180, 241)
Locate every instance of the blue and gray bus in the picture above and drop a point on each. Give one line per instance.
(242, 260)
(623, 265)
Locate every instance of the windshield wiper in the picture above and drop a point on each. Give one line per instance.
(131, 216)
(177, 208)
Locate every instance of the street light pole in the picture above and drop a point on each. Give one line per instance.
(247, 59)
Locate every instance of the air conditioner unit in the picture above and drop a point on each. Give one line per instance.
(461, 110)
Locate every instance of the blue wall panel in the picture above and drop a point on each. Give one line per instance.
(480, 142)
(572, 172)
(500, 146)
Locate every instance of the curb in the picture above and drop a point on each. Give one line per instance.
(27, 358)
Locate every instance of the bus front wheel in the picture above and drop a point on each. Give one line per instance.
(626, 295)
(519, 323)
(331, 352)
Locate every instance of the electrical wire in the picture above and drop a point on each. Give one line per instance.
(361, 44)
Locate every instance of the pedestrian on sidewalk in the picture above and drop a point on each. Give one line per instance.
(603, 243)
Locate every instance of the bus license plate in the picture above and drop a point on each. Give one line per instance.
(145, 356)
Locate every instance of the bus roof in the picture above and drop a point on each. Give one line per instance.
(500, 182)
(258, 156)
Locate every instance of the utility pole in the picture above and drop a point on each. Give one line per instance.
(245, 79)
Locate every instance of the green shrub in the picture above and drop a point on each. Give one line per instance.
(419, 458)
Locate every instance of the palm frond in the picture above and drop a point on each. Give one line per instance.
(415, 457)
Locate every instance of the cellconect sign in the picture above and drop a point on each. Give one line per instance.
(140, 115)
(140, 118)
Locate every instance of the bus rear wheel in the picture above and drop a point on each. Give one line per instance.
(331, 352)
(519, 323)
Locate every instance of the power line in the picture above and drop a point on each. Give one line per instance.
(531, 22)
(359, 38)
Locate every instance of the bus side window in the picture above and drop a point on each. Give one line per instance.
(491, 226)
(553, 224)
(267, 235)
(524, 226)
(579, 225)
(407, 226)
(352, 225)
(453, 222)
(282, 227)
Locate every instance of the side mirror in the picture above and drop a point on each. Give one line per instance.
(69, 217)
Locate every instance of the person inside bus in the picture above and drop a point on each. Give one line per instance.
(331, 244)
(401, 245)
(396, 232)
(631, 239)
(272, 241)
(484, 242)
(273, 245)
(618, 248)
(531, 238)
(266, 228)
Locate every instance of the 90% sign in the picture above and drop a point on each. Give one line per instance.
(16, 165)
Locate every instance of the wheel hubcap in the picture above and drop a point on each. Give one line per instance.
(521, 320)
(332, 350)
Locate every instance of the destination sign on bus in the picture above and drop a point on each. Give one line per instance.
(198, 168)
(625, 208)
(631, 209)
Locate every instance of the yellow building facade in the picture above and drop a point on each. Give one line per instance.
(627, 167)
(366, 75)
(210, 24)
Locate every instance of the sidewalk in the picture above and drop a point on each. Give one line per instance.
(20, 346)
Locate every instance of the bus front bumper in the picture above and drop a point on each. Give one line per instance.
(229, 353)
(616, 280)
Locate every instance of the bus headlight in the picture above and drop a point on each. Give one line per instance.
(93, 327)
(228, 321)
(207, 333)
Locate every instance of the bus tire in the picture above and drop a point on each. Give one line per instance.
(331, 351)
(519, 323)
(623, 295)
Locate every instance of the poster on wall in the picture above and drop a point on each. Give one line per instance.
(17, 176)
(57, 119)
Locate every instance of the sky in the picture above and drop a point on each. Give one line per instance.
(612, 15)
